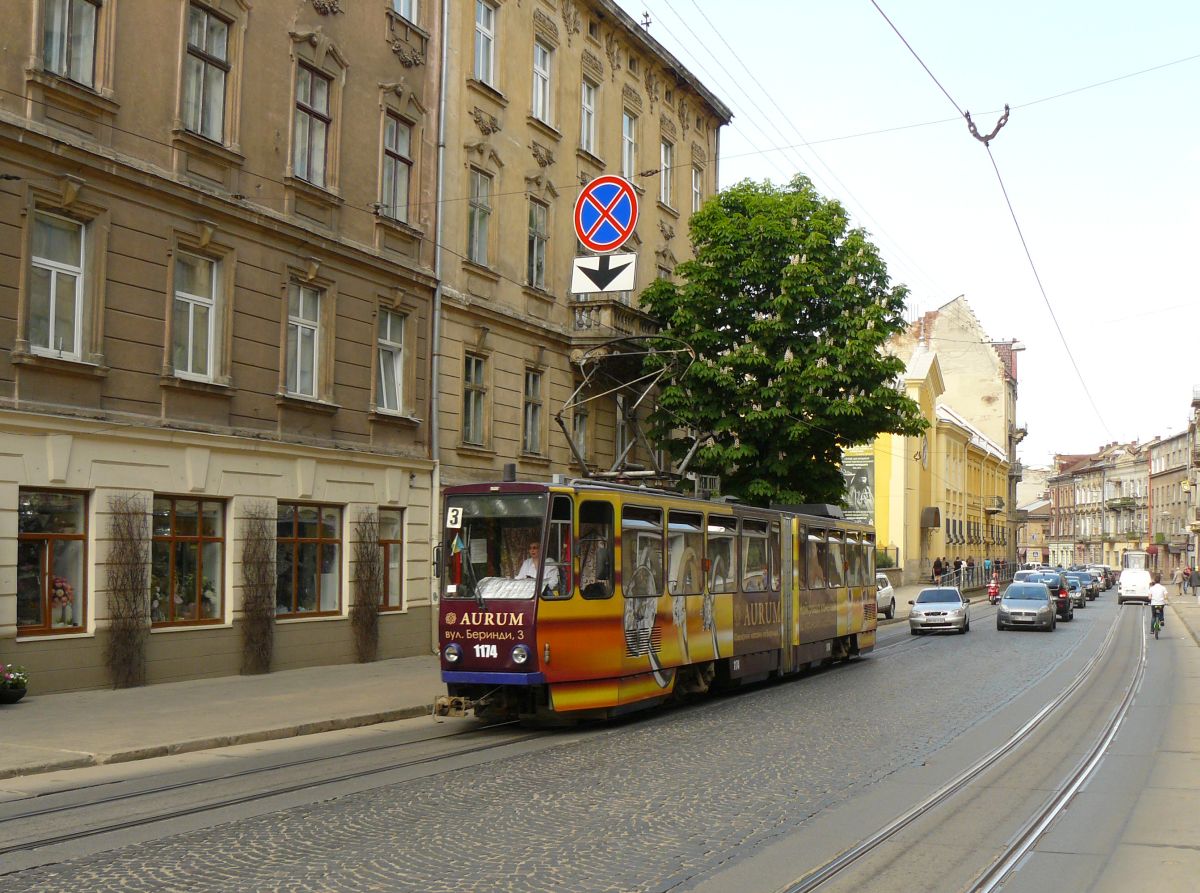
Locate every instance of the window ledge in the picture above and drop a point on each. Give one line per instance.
(205, 146)
(178, 382)
(591, 158)
(545, 127)
(309, 617)
(534, 459)
(58, 364)
(85, 97)
(186, 625)
(488, 91)
(394, 418)
(311, 190)
(475, 449)
(308, 404)
(400, 226)
(398, 21)
(42, 635)
(540, 293)
(667, 209)
(480, 269)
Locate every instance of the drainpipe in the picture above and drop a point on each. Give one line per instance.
(435, 335)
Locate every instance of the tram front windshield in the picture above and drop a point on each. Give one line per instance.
(492, 546)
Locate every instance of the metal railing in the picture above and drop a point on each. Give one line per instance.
(977, 577)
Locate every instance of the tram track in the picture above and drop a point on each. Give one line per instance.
(851, 865)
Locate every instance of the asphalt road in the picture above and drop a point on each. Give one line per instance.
(682, 799)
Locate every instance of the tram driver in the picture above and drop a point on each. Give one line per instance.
(529, 568)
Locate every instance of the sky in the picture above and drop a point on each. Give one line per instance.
(1103, 181)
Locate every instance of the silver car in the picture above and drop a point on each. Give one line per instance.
(939, 608)
(1026, 605)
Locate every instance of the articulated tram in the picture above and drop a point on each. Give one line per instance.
(586, 600)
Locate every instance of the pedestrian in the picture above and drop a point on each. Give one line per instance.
(937, 571)
(1187, 578)
(1177, 578)
(987, 567)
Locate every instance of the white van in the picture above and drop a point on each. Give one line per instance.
(1134, 582)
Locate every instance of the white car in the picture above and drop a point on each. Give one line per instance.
(885, 597)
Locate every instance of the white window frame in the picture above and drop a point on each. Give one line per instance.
(395, 162)
(543, 60)
(531, 433)
(61, 58)
(579, 430)
(194, 301)
(474, 400)
(315, 117)
(697, 189)
(407, 9)
(629, 122)
(485, 42)
(391, 355)
(300, 324)
(54, 268)
(588, 93)
(479, 214)
(538, 242)
(194, 117)
(666, 168)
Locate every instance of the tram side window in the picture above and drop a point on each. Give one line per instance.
(773, 555)
(595, 550)
(557, 579)
(853, 561)
(754, 556)
(869, 555)
(815, 548)
(835, 563)
(641, 551)
(685, 553)
(722, 554)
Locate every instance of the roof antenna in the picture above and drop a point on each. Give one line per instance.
(646, 20)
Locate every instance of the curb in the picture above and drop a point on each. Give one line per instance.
(198, 744)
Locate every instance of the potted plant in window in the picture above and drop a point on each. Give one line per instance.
(14, 681)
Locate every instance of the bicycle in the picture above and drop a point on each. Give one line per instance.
(1157, 619)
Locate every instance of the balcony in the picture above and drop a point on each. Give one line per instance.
(1120, 502)
(600, 320)
(993, 504)
(1196, 396)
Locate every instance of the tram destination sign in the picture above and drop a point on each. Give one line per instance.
(606, 213)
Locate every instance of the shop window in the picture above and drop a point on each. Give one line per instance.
(308, 563)
(51, 562)
(391, 543)
(187, 560)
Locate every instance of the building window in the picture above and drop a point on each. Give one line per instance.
(531, 438)
(474, 397)
(633, 65)
(579, 430)
(541, 81)
(206, 67)
(391, 543)
(56, 286)
(69, 39)
(312, 125)
(539, 236)
(622, 442)
(51, 561)
(397, 168)
(479, 214)
(390, 386)
(697, 189)
(308, 567)
(195, 315)
(666, 169)
(406, 9)
(485, 41)
(587, 117)
(187, 557)
(628, 145)
(304, 315)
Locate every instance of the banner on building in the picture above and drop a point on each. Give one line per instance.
(859, 502)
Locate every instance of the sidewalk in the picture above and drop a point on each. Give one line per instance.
(61, 731)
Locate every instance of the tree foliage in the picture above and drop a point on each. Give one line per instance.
(788, 308)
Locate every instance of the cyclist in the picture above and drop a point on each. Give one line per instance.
(1158, 601)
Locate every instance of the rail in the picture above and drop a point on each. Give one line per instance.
(975, 576)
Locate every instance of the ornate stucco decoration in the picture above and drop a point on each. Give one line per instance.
(543, 156)
(484, 150)
(631, 97)
(653, 86)
(668, 231)
(327, 7)
(544, 26)
(612, 49)
(486, 123)
(539, 185)
(698, 153)
(666, 257)
(684, 116)
(68, 187)
(321, 44)
(409, 103)
(408, 55)
(592, 66)
(571, 19)
(667, 125)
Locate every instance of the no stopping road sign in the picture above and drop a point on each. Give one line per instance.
(606, 213)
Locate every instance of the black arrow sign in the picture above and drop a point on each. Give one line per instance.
(603, 275)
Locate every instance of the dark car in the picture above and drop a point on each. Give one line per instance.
(1061, 590)
(1026, 605)
(1086, 582)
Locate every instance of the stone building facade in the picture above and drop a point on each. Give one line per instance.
(1168, 501)
(216, 276)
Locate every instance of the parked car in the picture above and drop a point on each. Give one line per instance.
(1106, 575)
(939, 608)
(1078, 592)
(1086, 582)
(1061, 590)
(885, 597)
(1026, 605)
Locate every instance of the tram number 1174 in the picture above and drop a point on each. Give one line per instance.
(486, 651)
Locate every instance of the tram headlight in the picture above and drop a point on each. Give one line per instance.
(520, 654)
(453, 653)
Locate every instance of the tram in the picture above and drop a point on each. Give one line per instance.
(583, 600)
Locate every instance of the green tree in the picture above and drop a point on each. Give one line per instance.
(788, 308)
